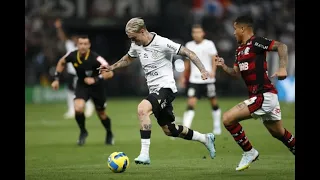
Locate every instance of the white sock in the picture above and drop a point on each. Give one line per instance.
(199, 137)
(187, 118)
(216, 115)
(145, 145)
(70, 98)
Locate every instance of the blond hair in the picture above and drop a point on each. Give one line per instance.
(134, 25)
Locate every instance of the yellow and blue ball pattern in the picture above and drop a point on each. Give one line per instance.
(118, 162)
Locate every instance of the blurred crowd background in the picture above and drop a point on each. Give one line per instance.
(104, 22)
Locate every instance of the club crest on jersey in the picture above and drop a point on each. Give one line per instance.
(155, 54)
(88, 73)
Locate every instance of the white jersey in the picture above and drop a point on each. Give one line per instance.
(156, 62)
(204, 50)
(70, 46)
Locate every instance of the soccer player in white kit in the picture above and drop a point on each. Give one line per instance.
(154, 52)
(206, 50)
(70, 45)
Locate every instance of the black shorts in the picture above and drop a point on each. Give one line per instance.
(96, 92)
(162, 105)
(72, 82)
(199, 90)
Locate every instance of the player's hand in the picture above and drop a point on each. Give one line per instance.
(89, 80)
(281, 74)
(105, 68)
(55, 85)
(220, 62)
(58, 23)
(205, 74)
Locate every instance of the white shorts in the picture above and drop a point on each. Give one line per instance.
(264, 106)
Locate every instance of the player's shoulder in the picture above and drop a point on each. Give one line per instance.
(190, 43)
(260, 38)
(71, 53)
(160, 39)
(208, 42)
(94, 54)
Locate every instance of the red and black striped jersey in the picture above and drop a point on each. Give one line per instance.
(251, 60)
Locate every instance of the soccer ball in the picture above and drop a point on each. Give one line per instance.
(118, 162)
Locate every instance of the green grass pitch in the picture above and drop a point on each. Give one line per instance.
(52, 153)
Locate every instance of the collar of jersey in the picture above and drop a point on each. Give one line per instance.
(151, 39)
(85, 58)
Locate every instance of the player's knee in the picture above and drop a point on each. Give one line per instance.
(175, 130)
(79, 106)
(192, 102)
(227, 119)
(102, 114)
(215, 107)
(189, 107)
(144, 109)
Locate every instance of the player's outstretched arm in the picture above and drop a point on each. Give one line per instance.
(282, 52)
(193, 57)
(235, 71)
(123, 62)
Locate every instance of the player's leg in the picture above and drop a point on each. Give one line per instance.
(89, 108)
(70, 96)
(189, 114)
(166, 119)
(277, 130)
(99, 98)
(273, 123)
(216, 111)
(79, 103)
(144, 112)
(216, 116)
(231, 119)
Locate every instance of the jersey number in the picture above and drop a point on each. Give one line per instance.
(244, 66)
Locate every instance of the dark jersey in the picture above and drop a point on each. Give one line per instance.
(86, 65)
(251, 60)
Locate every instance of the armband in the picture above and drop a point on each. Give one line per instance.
(57, 76)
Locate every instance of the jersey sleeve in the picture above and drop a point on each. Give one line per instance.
(212, 49)
(171, 46)
(261, 44)
(132, 52)
(68, 56)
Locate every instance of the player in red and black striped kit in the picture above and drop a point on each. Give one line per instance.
(263, 101)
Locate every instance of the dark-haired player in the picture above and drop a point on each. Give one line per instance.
(89, 85)
(197, 87)
(71, 45)
(263, 101)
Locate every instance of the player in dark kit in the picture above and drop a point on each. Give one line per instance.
(89, 85)
(263, 101)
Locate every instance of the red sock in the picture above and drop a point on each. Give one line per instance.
(289, 140)
(239, 136)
